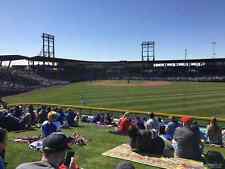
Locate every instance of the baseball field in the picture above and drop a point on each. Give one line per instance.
(199, 99)
(194, 98)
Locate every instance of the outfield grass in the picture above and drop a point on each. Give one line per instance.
(195, 98)
(100, 140)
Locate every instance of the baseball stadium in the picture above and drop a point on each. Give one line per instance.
(58, 112)
(165, 87)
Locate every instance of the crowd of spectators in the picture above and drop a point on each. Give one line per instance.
(169, 137)
(184, 137)
(99, 118)
(24, 117)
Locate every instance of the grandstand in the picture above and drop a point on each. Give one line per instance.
(61, 69)
(20, 78)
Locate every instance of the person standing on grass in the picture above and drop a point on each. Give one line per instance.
(3, 140)
(214, 132)
(55, 147)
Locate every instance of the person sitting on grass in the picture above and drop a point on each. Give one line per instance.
(43, 114)
(139, 122)
(12, 123)
(48, 127)
(33, 114)
(61, 116)
(168, 149)
(76, 119)
(170, 128)
(55, 147)
(152, 123)
(187, 141)
(71, 118)
(145, 141)
(214, 132)
(123, 124)
(18, 112)
(108, 119)
(96, 118)
(3, 140)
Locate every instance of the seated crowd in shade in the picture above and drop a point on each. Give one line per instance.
(149, 135)
(24, 117)
(99, 118)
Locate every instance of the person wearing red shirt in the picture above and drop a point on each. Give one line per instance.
(124, 124)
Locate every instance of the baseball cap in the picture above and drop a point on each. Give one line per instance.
(186, 119)
(57, 141)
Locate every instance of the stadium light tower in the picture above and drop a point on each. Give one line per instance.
(48, 45)
(185, 54)
(213, 49)
(148, 50)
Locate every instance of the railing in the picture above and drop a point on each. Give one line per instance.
(112, 110)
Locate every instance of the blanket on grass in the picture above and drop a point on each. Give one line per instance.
(124, 152)
(36, 142)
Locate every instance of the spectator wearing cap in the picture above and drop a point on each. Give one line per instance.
(3, 140)
(214, 132)
(55, 147)
(125, 165)
(187, 140)
(48, 126)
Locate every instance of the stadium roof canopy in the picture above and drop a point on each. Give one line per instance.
(47, 59)
(12, 57)
(62, 60)
(191, 60)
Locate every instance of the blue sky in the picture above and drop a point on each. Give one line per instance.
(113, 29)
